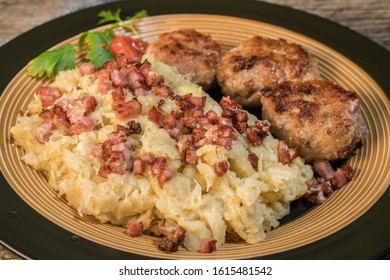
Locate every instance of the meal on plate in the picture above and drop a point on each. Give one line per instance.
(136, 141)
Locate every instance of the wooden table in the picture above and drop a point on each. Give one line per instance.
(371, 18)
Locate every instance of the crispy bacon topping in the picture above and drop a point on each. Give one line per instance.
(68, 117)
(86, 68)
(128, 109)
(328, 181)
(156, 115)
(258, 132)
(115, 152)
(207, 245)
(42, 132)
(324, 169)
(286, 155)
(138, 166)
(118, 96)
(173, 237)
(254, 160)
(134, 228)
(48, 95)
(221, 167)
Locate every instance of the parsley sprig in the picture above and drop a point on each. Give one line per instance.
(94, 45)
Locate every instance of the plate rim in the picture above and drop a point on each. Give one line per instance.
(250, 9)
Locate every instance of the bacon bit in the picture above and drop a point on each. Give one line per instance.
(122, 60)
(198, 135)
(253, 160)
(104, 171)
(156, 115)
(240, 121)
(57, 116)
(178, 114)
(86, 68)
(189, 122)
(48, 95)
(173, 236)
(342, 176)
(128, 109)
(42, 132)
(221, 167)
(86, 124)
(283, 152)
(258, 132)
(324, 169)
(134, 228)
(158, 165)
(184, 102)
(140, 92)
(119, 160)
(103, 74)
(132, 127)
(165, 176)
(229, 107)
(159, 168)
(224, 142)
(118, 78)
(208, 245)
(89, 104)
(115, 152)
(104, 87)
(97, 151)
(46, 114)
(60, 119)
(212, 117)
(145, 68)
(190, 156)
(174, 133)
(319, 188)
(153, 79)
(135, 79)
(314, 193)
(80, 107)
(147, 158)
(138, 166)
(185, 142)
(225, 121)
(162, 90)
(169, 121)
(198, 102)
(118, 96)
(115, 137)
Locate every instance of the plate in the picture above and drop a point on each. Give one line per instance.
(354, 221)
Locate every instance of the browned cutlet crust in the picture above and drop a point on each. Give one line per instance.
(194, 54)
(260, 63)
(319, 118)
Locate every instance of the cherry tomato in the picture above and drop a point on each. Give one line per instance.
(128, 46)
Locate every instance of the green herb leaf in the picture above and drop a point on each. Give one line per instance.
(97, 45)
(96, 38)
(109, 16)
(50, 62)
(131, 27)
(139, 14)
(98, 55)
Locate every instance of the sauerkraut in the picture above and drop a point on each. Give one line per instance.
(247, 201)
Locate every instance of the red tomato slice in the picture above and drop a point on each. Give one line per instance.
(128, 46)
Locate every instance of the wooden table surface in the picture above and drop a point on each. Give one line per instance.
(370, 18)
